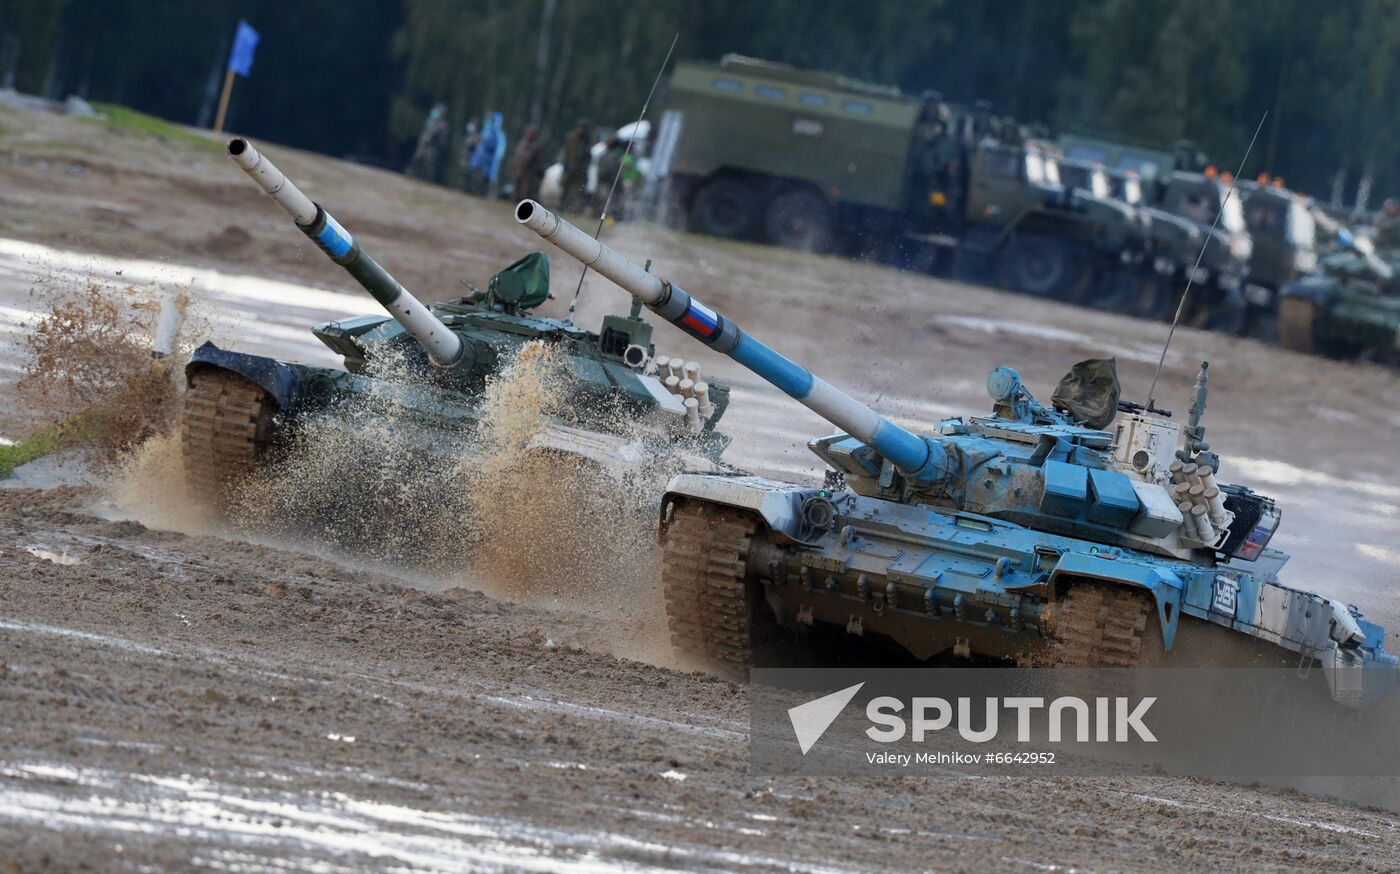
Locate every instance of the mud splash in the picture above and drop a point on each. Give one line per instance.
(554, 528)
(384, 477)
(89, 363)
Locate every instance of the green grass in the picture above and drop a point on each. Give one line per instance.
(124, 118)
(45, 441)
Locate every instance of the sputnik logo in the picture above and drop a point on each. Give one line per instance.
(811, 720)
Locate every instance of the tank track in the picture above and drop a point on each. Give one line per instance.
(1099, 626)
(708, 606)
(223, 428)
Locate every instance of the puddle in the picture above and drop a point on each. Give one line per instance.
(51, 556)
(217, 817)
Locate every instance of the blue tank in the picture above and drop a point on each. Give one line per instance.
(1089, 533)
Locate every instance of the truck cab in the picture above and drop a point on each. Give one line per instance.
(1285, 245)
(1224, 247)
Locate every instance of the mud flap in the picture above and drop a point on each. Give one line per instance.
(779, 505)
(1166, 588)
(274, 377)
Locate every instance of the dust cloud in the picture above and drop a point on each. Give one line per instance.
(385, 475)
(90, 366)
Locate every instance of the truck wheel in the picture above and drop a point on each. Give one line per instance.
(223, 431)
(1296, 316)
(709, 608)
(1042, 267)
(1099, 626)
(800, 220)
(724, 208)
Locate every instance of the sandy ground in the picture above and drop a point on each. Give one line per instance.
(174, 690)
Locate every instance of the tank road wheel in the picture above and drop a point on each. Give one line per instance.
(708, 606)
(223, 430)
(1296, 316)
(801, 220)
(724, 208)
(1042, 267)
(1099, 626)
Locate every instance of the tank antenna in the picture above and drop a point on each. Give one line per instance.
(603, 217)
(1191, 277)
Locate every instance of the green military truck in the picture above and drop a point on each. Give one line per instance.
(796, 158)
(818, 161)
(1284, 233)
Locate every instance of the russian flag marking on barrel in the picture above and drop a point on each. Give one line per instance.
(700, 320)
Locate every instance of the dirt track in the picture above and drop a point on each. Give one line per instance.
(192, 699)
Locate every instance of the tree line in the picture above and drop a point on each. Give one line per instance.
(357, 78)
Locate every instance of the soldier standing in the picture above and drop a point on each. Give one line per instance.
(577, 155)
(471, 138)
(526, 166)
(424, 163)
(485, 160)
(610, 166)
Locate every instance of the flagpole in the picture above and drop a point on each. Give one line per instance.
(223, 101)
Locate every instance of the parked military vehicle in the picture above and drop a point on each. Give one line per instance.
(1088, 533)
(1223, 248)
(1283, 235)
(626, 403)
(1351, 309)
(818, 161)
(1180, 191)
(1148, 163)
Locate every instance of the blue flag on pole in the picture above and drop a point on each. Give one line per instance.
(240, 60)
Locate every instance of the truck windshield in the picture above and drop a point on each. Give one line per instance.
(1127, 189)
(1077, 176)
(1266, 215)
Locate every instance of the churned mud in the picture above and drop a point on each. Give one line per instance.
(187, 697)
(480, 679)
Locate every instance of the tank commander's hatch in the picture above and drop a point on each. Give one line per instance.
(522, 285)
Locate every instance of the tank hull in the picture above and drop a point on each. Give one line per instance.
(1344, 317)
(935, 582)
(443, 422)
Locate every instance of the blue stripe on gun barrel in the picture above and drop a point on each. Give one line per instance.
(333, 238)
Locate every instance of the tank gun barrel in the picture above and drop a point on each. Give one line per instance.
(921, 459)
(444, 347)
(1367, 252)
